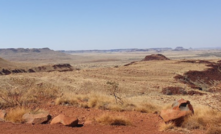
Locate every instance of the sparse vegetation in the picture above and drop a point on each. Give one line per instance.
(114, 89)
(113, 120)
(147, 108)
(15, 114)
(11, 98)
(106, 102)
(166, 126)
(25, 94)
(204, 118)
(132, 88)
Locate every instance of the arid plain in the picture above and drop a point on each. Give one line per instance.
(110, 92)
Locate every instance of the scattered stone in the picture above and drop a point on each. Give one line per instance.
(65, 120)
(2, 115)
(39, 118)
(180, 109)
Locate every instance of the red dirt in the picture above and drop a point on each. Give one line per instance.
(142, 123)
(155, 57)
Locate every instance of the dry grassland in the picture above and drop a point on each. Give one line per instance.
(138, 88)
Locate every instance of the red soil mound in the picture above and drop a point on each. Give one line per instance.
(155, 57)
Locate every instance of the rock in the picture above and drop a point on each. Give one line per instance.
(88, 122)
(39, 118)
(65, 120)
(2, 115)
(180, 109)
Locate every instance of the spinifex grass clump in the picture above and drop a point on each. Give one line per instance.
(113, 120)
(15, 114)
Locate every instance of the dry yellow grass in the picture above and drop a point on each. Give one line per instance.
(166, 126)
(147, 108)
(113, 120)
(15, 114)
(22, 91)
(203, 118)
(140, 85)
(104, 101)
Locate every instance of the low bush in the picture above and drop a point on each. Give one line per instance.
(15, 114)
(113, 120)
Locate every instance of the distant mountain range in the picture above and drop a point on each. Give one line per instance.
(125, 50)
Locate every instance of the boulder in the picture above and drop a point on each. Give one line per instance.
(65, 120)
(180, 109)
(88, 122)
(39, 118)
(2, 115)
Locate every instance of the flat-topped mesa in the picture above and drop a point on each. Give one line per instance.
(155, 57)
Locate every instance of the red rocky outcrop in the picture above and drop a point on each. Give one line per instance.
(39, 118)
(65, 120)
(180, 109)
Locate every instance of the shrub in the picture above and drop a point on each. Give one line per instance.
(11, 97)
(113, 120)
(114, 90)
(203, 118)
(15, 114)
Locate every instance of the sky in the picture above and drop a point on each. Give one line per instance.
(109, 24)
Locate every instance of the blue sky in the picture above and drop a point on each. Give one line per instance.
(109, 24)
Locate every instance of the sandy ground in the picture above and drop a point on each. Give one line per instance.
(142, 123)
